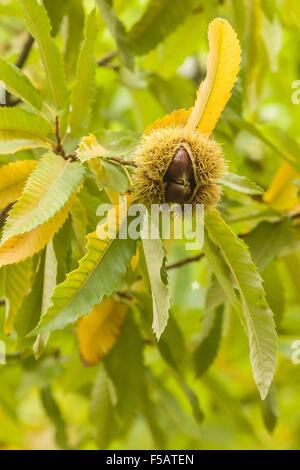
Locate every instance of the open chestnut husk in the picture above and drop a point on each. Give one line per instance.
(177, 165)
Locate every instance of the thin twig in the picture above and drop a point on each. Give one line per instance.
(20, 63)
(106, 58)
(25, 52)
(4, 213)
(59, 148)
(184, 261)
(121, 161)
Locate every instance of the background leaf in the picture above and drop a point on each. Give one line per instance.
(118, 32)
(98, 332)
(40, 28)
(84, 89)
(158, 21)
(18, 83)
(48, 189)
(13, 177)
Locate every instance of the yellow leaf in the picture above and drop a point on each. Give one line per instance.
(222, 69)
(98, 332)
(90, 148)
(24, 245)
(282, 193)
(176, 118)
(13, 177)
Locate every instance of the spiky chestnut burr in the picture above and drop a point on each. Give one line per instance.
(177, 165)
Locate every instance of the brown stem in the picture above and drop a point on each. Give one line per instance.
(4, 213)
(122, 161)
(59, 148)
(185, 261)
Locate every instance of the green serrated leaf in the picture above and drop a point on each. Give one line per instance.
(74, 33)
(47, 190)
(49, 284)
(17, 280)
(56, 10)
(160, 19)
(240, 183)
(30, 311)
(260, 322)
(84, 89)
(20, 129)
(154, 256)
(98, 274)
(17, 83)
(40, 28)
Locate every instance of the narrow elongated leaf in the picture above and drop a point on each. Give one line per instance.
(18, 83)
(274, 291)
(74, 33)
(260, 323)
(13, 177)
(98, 274)
(27, 129)
(13, 146)
(171, 345)
(26, 244)
(240, 183)
(84, 89)
(102, 405)
(269, 408)
(47, 190)
(30, 311)
(222, 69)
(39, 26)
(207, 349)
(98, 332)
(17, 279)
(56, 11)
(40, 300)
(125, 367)
(160, 19)
(155, 257)
(52, 409)
(118, 32)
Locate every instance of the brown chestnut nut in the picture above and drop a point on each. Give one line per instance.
(180, 167)
(175, 192)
